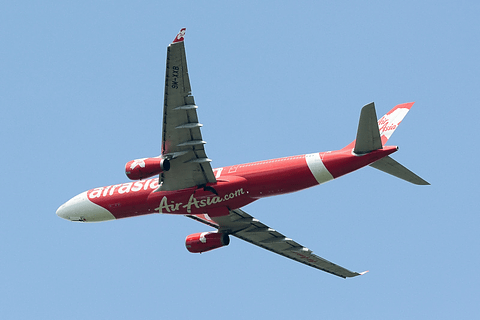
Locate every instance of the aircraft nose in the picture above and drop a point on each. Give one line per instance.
(61, 212)
(80, 208)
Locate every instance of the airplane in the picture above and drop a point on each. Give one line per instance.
(184, 182)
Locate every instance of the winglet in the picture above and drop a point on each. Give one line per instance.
(362, 273)
(180, 36)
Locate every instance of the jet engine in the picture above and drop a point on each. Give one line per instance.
(205, 241)
(146, 167)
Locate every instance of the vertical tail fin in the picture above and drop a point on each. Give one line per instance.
(389, 122)
(373, 134)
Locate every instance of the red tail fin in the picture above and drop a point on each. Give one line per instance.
(388, 123)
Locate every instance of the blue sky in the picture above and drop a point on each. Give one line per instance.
(81, 93)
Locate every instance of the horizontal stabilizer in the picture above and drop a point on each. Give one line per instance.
(368, 134)
(388, 165)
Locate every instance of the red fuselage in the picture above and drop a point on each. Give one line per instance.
(236, 185)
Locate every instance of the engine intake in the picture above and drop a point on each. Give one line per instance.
(206, 241)
(146, 167)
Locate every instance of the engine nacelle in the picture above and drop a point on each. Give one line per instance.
(146, 167)
(205, 241)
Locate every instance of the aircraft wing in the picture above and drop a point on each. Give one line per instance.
(242, 225)
(182, 141)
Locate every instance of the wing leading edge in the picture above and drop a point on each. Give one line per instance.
(243, 226)
(182, 141)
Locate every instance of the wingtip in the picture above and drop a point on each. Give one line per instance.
(180, 36)
(354, 274)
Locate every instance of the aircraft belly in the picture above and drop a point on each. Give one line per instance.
(283, 175)
(231, 192)
(345, 161)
